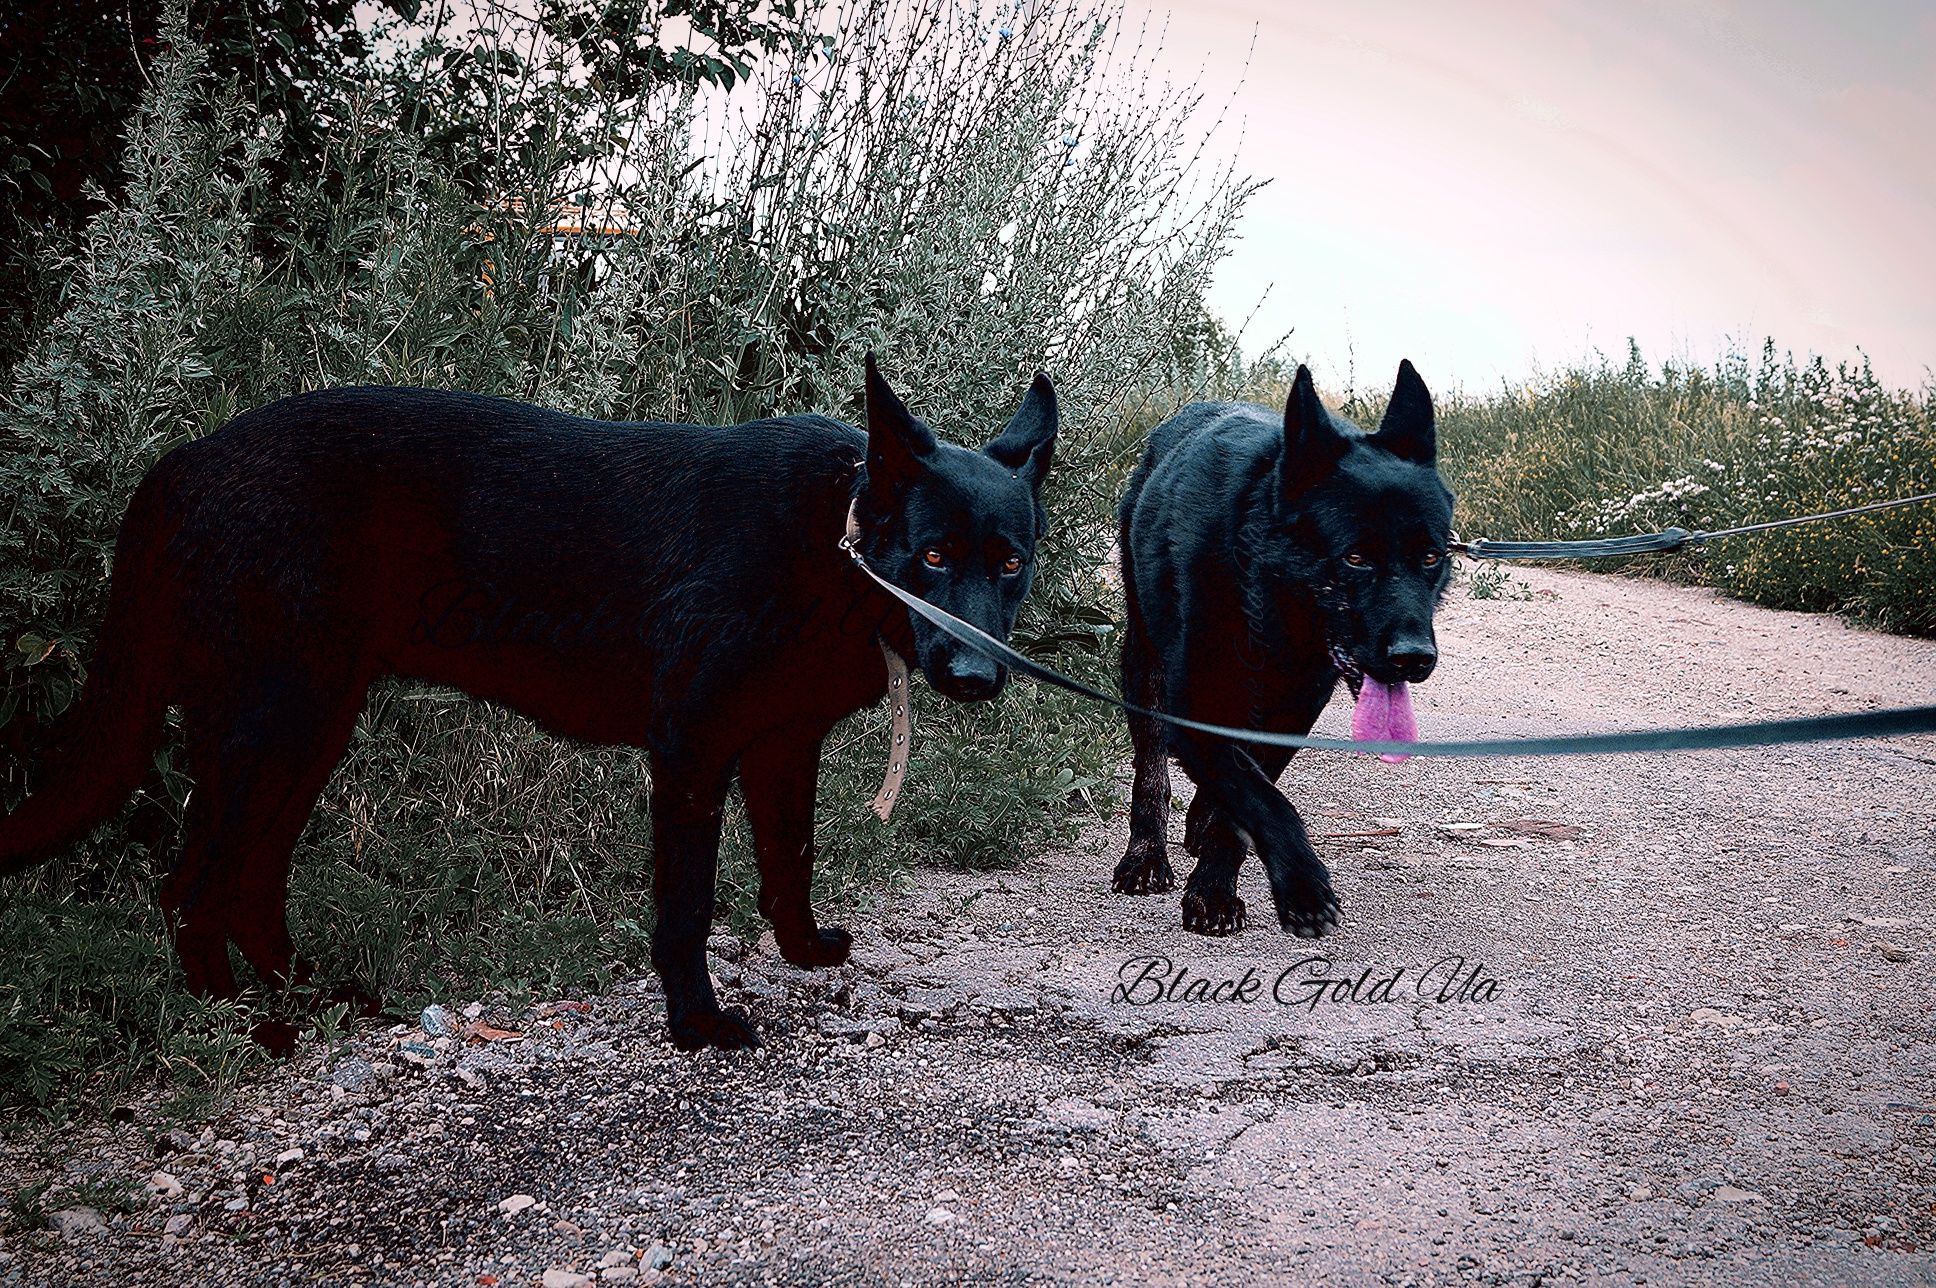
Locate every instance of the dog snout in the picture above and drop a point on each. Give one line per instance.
(971, 677)
(1412, 658)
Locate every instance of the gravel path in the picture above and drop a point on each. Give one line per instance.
(1698, 1047)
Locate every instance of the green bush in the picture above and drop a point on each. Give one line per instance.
(483, 213)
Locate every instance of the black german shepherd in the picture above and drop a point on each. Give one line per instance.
(678, 588)
(1263, 560)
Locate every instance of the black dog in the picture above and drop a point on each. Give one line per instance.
(1262, 561)
(673, 587)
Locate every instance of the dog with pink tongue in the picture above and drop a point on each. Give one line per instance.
(1265, 558)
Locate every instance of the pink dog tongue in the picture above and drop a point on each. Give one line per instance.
(1384, 714)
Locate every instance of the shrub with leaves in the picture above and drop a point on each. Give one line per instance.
(972, 195)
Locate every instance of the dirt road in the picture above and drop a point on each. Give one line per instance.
(1692, 1038)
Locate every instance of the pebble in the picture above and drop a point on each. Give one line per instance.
(165, 1184)
(557, 1277)
(940, 1216)
(516, 1204)
(352, 1073)
(619, 1274)
(288, 1156)
(178, 1224)
(72, 1223)
(437, 1022)
(658, 1257)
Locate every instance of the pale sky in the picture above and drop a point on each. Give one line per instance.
(1491, 188)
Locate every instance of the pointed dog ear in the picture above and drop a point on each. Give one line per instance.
(1312, 443)
(1027, 444)
(1408, 430)
(898, 445)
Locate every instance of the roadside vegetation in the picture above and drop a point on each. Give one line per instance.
(1603, 450)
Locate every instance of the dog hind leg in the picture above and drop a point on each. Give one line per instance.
(1145, 866)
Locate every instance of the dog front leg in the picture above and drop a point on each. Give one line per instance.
(686, 805)
(778, 775)
(1300, 883)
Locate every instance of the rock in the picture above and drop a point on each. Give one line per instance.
(1734, 1194)
(288, 1156)
(416, 1053)
(240, 1203)
(516, 1204)
(437, 1022)
(729, 947)
(557, 1277)
(616, 1257)
(1077, 1115)
(392, 1162)
(940, 1216)
(164, 1184)
(658, 1257)
(920, 1003)
(352, 1073)
(178, 1224)
(76, 1222)
(1893, 952)
(619, 1274)
(1007, 1001)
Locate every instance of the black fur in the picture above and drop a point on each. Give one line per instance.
(1265, 557)
(673, 587)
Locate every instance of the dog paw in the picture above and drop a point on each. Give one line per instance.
(727, 1030)
(1144, 870)
(828, 947)
(1312, 918)
(1212, 912)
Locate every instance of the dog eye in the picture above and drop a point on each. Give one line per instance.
(1011, 565)
(1356, 559)
(1432, 558)
(933, 558)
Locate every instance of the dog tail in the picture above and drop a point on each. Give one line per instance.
(103, 745)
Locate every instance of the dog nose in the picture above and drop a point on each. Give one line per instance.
(971, 676)
(1412, 660)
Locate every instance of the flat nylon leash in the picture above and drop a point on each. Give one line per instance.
(1656, 542)
(1889, 723)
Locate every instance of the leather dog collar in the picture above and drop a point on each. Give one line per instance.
(897, 700)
